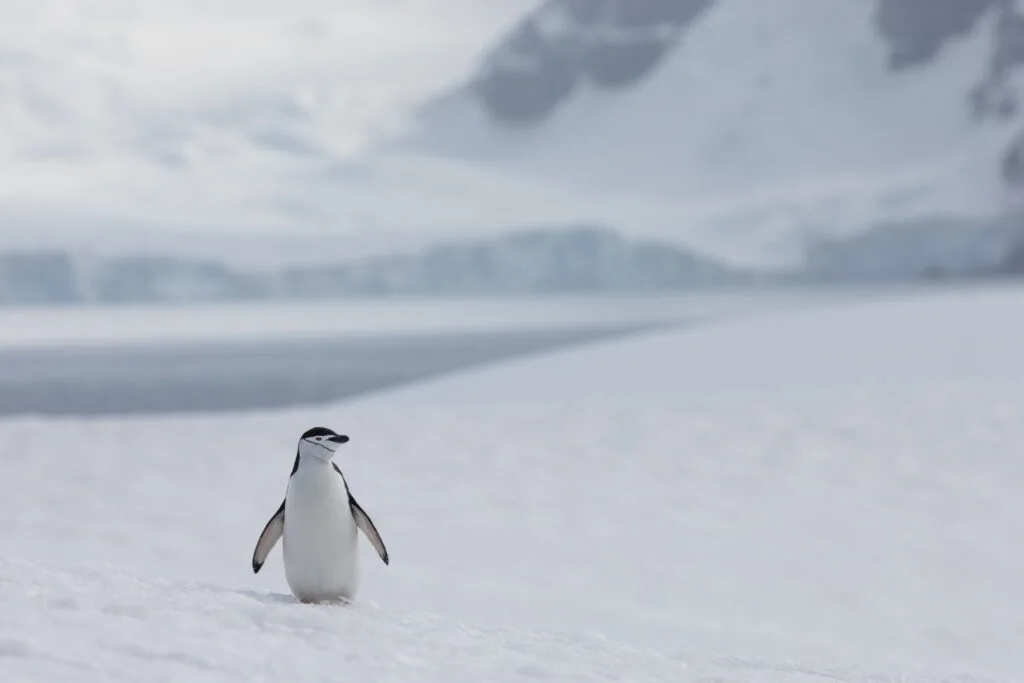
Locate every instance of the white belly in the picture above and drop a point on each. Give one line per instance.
(321, 559)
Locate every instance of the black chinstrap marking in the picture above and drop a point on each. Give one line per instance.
(295, 465)
(329, 450)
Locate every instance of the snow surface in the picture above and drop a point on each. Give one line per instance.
(836, 499)
(916, 337)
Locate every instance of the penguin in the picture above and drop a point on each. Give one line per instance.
(318, 520)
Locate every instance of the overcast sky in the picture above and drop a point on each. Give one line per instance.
(211, 112)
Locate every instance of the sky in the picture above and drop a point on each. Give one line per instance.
(187, 113)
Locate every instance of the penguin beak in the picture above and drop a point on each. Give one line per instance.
(334, 441)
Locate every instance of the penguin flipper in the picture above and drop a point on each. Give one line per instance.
(268, 539)
(364, 522)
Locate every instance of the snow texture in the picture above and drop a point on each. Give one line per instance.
(175, 630)
(820, 495)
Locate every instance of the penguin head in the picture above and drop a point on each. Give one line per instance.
(320, 442)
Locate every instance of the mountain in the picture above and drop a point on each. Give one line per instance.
(748, 132)
(742, 128)
(533, 261)
(538, 260)
(613, 45)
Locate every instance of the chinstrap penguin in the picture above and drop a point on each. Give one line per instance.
(318, 519)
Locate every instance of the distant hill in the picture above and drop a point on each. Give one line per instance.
(538, 261)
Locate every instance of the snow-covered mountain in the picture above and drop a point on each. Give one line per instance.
(740, 127)
(552, 260)
(614, 45)
(746, 133)
(575, 259)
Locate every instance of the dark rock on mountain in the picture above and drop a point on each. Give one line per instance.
(637, 35)
(611, 43)
(1009, 44)
(995, 96)
(615, 44)
(533, 77)
(613, 65)
(916, 30)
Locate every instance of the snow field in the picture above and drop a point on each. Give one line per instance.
(839, 502)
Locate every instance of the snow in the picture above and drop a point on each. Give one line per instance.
(262, 637)
(816, 101)
(825, 494)
(767, 122)
(917, 337)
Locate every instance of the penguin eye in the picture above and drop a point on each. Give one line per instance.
(318, 438)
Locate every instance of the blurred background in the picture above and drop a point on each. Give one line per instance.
(220, 205)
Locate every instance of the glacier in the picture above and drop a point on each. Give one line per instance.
(548, 261)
